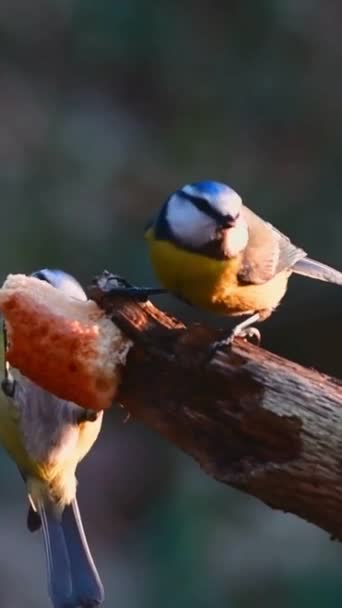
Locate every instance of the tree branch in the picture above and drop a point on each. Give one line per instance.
(251, 419)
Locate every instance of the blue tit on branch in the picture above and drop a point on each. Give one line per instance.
(213, 252)
(47, 437)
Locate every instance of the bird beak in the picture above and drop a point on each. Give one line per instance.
(228, 222)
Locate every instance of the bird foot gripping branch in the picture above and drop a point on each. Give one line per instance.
(243, 330)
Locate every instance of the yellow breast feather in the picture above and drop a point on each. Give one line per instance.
(210, 283)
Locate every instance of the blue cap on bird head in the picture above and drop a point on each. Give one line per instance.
(220, 198)
(61, 280)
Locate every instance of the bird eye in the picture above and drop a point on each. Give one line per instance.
(40, 274)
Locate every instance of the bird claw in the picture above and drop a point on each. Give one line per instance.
(251, 334)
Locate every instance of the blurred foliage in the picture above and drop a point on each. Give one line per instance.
(105, 108)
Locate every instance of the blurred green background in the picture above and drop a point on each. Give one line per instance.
(106, 107)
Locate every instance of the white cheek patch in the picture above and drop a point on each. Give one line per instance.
(189, 225)
(235, 239)
(229, 203)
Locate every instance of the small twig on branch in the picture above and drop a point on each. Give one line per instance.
(251, 419)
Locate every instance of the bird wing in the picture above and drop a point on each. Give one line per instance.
(316, 270)
(268, 251)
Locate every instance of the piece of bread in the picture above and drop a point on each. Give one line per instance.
(68, 347)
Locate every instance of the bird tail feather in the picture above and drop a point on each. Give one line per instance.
(72, 576)
(57, 558)
(87, 588)
(316, 270)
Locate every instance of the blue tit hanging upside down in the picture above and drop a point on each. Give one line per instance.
(47, 437)
(213, 252)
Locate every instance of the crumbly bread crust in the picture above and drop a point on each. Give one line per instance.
(67, 346)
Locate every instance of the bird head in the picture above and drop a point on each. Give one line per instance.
(205, 212)
(61, 280)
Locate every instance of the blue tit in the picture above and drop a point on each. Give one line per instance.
(210, 250)
(47, 437)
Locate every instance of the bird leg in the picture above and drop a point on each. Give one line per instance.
(242, 330)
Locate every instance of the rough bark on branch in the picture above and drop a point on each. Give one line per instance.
(251, 419)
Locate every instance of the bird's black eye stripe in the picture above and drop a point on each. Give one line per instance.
(202, 205)
(40, 275)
